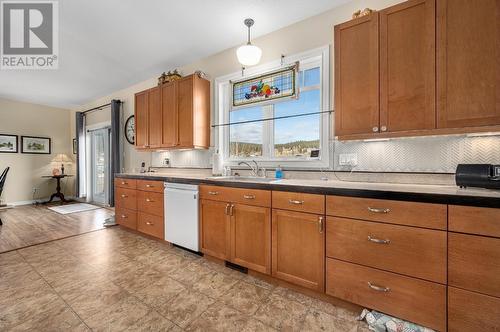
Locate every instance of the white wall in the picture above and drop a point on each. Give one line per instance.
(26, 169)
(308, 34)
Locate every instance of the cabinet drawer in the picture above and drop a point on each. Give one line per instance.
(150, 224)
(127, 218)
(301, 202)
(147, 185)
(150, 202)
(474, 263)
(472, 312)
(393, 212)
(416, 252)
(125, 198)
(415, 300)
(474, 220)
(125, 183)
(253, 197)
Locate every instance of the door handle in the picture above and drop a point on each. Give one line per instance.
(321, 225)
(378, 210)
(231, 210)
(379, 241)
(378, 288)
(226, 212)
(291, 201)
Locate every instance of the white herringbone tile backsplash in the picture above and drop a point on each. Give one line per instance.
(432, 154)
(435, 154)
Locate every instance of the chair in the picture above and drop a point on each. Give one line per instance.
(2, 183)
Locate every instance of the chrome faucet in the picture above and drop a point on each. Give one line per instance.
(255, 170)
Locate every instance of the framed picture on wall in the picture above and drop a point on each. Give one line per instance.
(35, 145)
(8, 143)
(74, 145)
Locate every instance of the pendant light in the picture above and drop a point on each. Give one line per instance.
(248, 55)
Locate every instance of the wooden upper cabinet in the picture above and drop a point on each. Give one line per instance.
(185, 88)
(468, 53)
(169, 114)
(141, 119)
(154, 118)
(407, 66)
(174, 115)
(357, 76)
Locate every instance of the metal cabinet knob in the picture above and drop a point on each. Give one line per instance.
(375, 129)
(383, 128)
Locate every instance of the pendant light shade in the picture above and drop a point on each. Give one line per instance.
(249, 55)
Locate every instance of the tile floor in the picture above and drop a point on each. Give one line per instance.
(114, 280)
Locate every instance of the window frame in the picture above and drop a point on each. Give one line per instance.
(307, 60)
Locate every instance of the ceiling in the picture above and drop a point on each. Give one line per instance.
(109, 45)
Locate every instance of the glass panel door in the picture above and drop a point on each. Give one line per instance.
(100, 165)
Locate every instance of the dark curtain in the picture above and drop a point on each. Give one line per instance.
(115, 164)
(80, 154)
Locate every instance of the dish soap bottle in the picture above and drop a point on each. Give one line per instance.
(279, 172)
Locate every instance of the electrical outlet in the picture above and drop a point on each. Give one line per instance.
(165, 162)
(348, 159)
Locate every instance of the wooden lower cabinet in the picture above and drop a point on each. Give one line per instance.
(298, 248)
(251, 237)
(415, 300)
(150, 224)
(215, 236)
(126, 218)
(472, 312)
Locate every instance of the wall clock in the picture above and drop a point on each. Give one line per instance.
(130, 130)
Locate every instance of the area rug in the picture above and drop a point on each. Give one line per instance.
(73, 208)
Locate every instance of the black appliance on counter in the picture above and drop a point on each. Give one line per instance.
(478, 175)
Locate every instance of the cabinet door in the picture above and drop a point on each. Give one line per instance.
(298, 248)
(154, 120)
(185, 111)
(169, 112)
(141, 119)
(468, 45)
(407, 66)
(251, 237)
(215, 229)
(357, 76)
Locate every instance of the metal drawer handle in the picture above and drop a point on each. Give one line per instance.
(375, 240)
(123, 182)
(291, 201)
(231, 210)
(321, 225)
(148, 200)
(378, 210)
(249, 196)
(149, 186)
(124, 216)
(149, 223)
(124, 196)
(378, 288)
(213, 193)
(226, 212)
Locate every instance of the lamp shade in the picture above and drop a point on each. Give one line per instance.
(248, 55)
(62, 158)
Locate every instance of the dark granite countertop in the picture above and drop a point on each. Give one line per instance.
(402, 192)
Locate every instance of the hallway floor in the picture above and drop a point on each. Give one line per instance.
(115, 280)
(28, 225)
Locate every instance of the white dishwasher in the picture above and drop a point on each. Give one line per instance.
(181, 215)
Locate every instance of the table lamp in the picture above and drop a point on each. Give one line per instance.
(62, 158)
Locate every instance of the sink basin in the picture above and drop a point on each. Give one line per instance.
(242, 179)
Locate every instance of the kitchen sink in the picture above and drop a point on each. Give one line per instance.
(242, 179)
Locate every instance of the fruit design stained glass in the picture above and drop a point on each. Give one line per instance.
(266, 87)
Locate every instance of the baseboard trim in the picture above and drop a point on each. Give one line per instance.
(39, 201)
